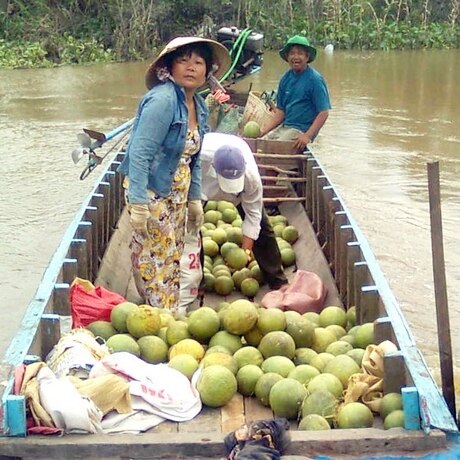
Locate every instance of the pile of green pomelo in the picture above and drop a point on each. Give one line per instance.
(297, 365)
(226, 266)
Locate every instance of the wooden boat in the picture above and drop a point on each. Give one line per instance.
(331, 244)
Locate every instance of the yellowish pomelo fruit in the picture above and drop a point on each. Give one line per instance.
(340, 347)
(187, 347)
(119, 314)
(357, 354)
(290, 234)
(303, 373)
(278, 230)
(343, 367)
(176, 332)
(211, 216)
(238, 222)
(271, 319)
(333, 315)
(253, 337)
(304, 355)
(219, 235)
(354, 415)
(221, 358)
(247, 377)
(321, 402)
(249, 287)
(320, 360)
(264, 385)
(313, 422)
(291, 316)
(302, 331)
(221, 270)
(222, 305)
(209, 280)
(162, 334)
(279, 218)
(240, 317)
(286, 398)
(288, 257)
(210, 206)
(248, 355)
(394, 419)
(230, 341)
(277, 343)
(322, 338)
(143, 320)
(216, 385)
(210, 247)
(226, 247)
(209, 226)
(251, 129)
(389, 403)
(312, 316)
(364, 335)
(240, 275)
(328, 382)
(257, 274)
(339, 331)
(282, 244)
(217, 349)
(123, 342)
(223, 285)
(153, 349)
(236, 258)
(186, 364)
(222, 205)
(229, 215)
(351, 317)
(203, 323)
(235, 235)
(103, 329)
(279, 364)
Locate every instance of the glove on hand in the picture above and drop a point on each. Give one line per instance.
(195, 216)
(139, 216)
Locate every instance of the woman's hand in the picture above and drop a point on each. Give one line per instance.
(195, 216)
(139, 215)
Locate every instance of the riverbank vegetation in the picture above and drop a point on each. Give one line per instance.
(45, 33)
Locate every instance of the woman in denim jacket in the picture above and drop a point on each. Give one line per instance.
(163, 167)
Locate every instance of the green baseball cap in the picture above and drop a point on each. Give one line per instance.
(301, 41)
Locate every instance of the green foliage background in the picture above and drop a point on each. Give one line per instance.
(43, 33)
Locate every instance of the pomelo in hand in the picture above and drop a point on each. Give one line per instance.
(251, 129)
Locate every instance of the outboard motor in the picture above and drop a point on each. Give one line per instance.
(245, 47)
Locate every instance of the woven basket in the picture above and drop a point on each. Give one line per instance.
(257, 110)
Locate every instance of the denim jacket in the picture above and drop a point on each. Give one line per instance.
(157, 142)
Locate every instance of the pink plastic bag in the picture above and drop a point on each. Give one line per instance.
(306, 292)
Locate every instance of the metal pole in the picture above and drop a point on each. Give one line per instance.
(440, 288)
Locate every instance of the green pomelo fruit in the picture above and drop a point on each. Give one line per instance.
(355, 415)
(287, 257)
(291, 316)
(123, 342)
(187, 347)
(221, 358)
(119, 314)
(220, 270)
(278, 230)
(352, 331)
(166, 319)
(279, 218)
(209, 281)
(219, 235)
(364, 335)
(203, 323)
(143, 320)
(312, 316)
(248, 355)
(313, 422)
(216, 385)
(394, 419)
(249, 287)
(103, 329)
(351, 316)
(303, 373)
(229, 215)
(238, 223)
(230, 341)
(226, 247)
(343, 367)
(357, 354)
(283, 244)
(277, 343)
(211, 216)
(235, 235)
(222, 205)
(290, 234)
(236, 258)
(247, 378)
(286, 397)
(339, 348)
(339, 331)
(389, 403)
(253, 337)
(240, 317)
(240, 275)
(264, 385)
(222, 305)
(210, 206)
(304, 356)
(322, 338)
(320, 402)
(217, 349)
(278, 364)
(153, 349)
(218, 260)
(186, 364)
(210, 247)
(176, 332)
(209, 226)
(162, 334)
(223, 285)
(333, 315)
(320, 360)
(348, 338)
(251, 129)
(302, 331)
(271, 319)
(257, 274)
(326, 382)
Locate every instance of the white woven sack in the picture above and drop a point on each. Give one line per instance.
(190, 271)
